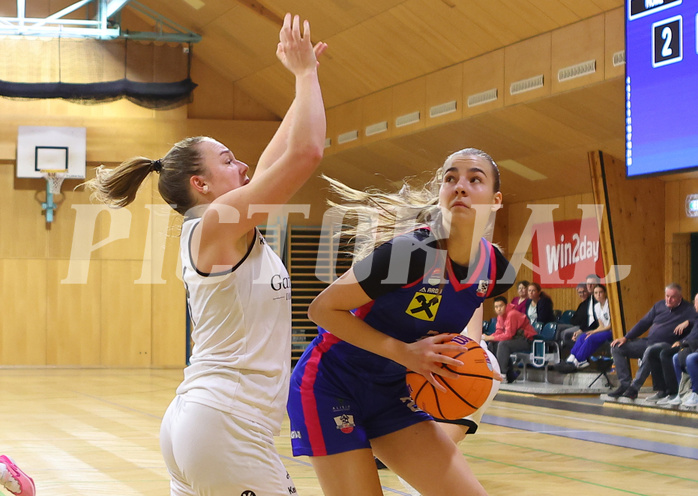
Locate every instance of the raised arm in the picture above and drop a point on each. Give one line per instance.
(293, 156)
(279, 142)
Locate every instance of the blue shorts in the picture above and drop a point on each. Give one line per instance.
(335, 408)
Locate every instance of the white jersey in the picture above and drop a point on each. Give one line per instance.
(241, 318)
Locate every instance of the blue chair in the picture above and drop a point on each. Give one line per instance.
(544, 350)
(489, 326)
(538, 327)
(566, 317)
(548, 332)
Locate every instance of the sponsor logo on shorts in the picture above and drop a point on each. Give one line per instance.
(296, 435)
(345, 423)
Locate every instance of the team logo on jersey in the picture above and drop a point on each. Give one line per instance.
(345, 423)
(424, 305)
(482, 287)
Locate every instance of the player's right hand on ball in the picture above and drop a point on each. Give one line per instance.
(425, 357)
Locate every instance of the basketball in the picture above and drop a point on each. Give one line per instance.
(463, 395)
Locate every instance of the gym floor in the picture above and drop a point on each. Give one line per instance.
(95, 432)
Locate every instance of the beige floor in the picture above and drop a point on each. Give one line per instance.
(94, 432)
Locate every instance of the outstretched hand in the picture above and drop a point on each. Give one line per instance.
(425, 358)
(295, 50)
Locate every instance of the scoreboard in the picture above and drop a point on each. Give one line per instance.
(661, 86)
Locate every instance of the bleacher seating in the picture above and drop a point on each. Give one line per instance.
(545, 350)
(566, 317)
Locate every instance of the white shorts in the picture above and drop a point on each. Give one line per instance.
(472, 421)
(210, 452)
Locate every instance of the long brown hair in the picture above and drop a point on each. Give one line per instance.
(118, 186)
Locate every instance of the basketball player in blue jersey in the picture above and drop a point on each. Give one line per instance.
(389, 313)
(217, 434)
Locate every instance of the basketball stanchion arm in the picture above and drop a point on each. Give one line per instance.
(49, 206)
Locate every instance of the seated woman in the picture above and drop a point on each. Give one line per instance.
(586, 343)
(521, 301)
(539, 307)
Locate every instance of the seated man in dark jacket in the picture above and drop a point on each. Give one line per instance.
(667, 321)
(665, 378)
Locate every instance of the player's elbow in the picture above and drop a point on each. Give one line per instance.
(309, 154)
(314, 310)
(320, 309)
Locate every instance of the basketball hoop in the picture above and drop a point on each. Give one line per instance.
(54, 181)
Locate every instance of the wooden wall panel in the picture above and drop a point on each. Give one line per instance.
(636, 215)
(246, 108)
(23, 309)
(377, 108)
(481, 74)
(348, 118)
(677, 235)
(135, 226)
(126, 315)
(22, 225)
(574, 44)
(615, 41)
(674, 209)
(73, 335)
(214, 95)
(410, 97)
(168, 298)
(444, 86)
(525, 60)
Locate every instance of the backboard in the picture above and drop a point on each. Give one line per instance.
(41, 148)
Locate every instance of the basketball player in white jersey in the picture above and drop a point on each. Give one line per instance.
(217, 434)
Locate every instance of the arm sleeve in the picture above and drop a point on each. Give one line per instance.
(545, 310)
(507, 331)
(642, 325)
(580, 317)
